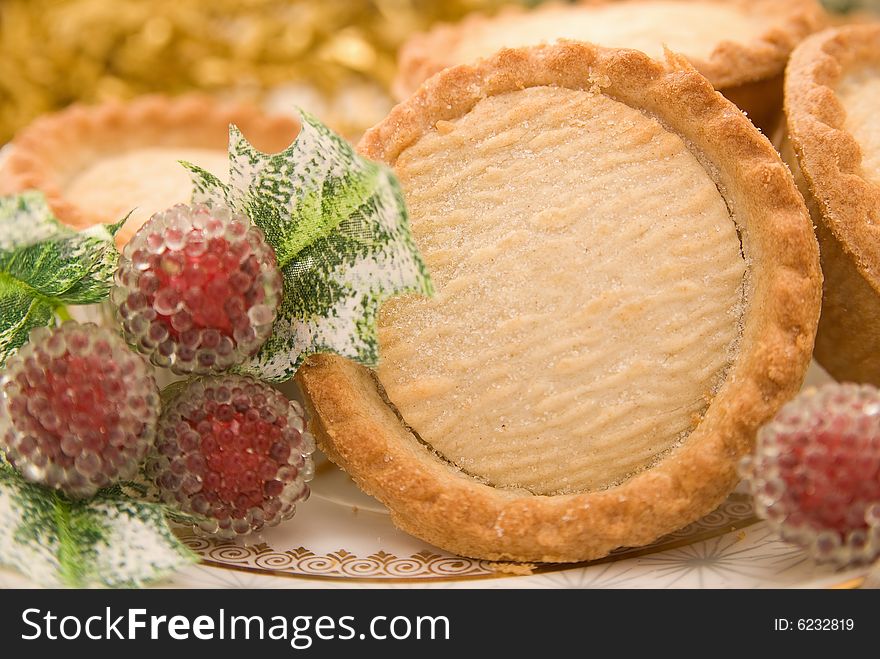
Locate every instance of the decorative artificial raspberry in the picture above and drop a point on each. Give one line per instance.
(197, 289)
(233, 451)
(78, 409)
(815, 474)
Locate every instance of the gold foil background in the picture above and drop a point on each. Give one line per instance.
(335, 57)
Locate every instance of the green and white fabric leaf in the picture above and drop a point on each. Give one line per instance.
(340, 230)
(45, 264)
(110, 540)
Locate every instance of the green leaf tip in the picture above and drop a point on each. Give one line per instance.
(114, 228)
(340, 229)
(45, 264)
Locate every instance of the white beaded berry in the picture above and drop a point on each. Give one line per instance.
(197, 289)
(233, 451)
(815, 474)
(78, 408)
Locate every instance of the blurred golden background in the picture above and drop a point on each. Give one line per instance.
(334, 57)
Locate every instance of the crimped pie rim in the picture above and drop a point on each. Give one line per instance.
(731, 64)
(828, 156)
(428, 498)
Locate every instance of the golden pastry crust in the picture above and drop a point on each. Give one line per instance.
(730, 65)
(53, 149)
(846, 205)
(437, 503)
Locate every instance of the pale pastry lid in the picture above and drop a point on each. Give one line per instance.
(142, 181)
(590, 287)
(859, 94)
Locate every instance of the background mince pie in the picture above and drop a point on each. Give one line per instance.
(97, 163)
(741, 46)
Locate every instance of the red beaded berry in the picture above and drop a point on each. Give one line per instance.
(197, 289)
(815, 474)
(233, 451)
(78, 408)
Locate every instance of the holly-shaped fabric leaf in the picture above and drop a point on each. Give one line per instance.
(109, 540)
(340, 230)
(45, 265)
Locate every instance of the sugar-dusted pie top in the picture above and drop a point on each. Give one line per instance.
(693, 29)
(731, 42)
(859, 94)
(589, 280)
(147, 180)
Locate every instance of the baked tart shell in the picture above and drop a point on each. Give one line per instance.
(827, 162)
(430, 498)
